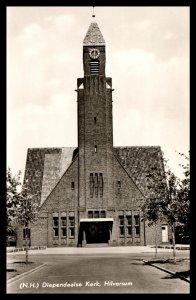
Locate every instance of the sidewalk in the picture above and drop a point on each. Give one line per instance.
(101, 250)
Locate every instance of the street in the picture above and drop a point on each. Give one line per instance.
(100, 273)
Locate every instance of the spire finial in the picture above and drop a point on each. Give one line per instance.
(93, 15)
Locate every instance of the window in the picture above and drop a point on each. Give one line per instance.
(96, 214)
(119, 184)
(91, 184)
(71, 227)
(129, 225)
(137, 225)
(63, 226)
(96, 184)
(26, 233)
(90, 214)
(121, 225)
(95, 148)
(94, 67)
(72, 185)
(95, 120)
(103, 214)
(55, 226)
(101, 184)
(55, 222)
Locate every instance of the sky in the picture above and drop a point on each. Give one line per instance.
(147, 56)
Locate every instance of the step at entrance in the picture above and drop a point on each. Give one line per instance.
(97, 245)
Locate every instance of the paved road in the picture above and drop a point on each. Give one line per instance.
(105, 273)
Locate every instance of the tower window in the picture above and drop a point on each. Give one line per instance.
(101, 184)
(90, 214)
(96, 184)
(94, 67)
(95, 120)
(91, 184)
(95, 148)
(72, 185)
(103, 214)
(96, 214)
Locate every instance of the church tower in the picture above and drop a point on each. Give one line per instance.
(92, 194)
(95, 132)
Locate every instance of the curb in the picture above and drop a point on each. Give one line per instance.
(24, 274)
(167, 271)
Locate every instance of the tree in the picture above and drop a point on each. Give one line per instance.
(151, 212)
(167, 198)
(13, 186)
(151, 208)
(22, 207)
(27, 212)
(170, 205)
(184, 196)
(175, 206)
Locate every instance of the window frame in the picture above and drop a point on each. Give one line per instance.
(121, 226)
(71, 227)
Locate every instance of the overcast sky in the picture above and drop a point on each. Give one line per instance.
(147, 56)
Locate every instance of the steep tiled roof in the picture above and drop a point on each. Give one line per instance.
(45, 166)
(94, 36)
(140, 161)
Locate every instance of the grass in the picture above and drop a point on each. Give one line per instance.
(15, 268)
(182, 266)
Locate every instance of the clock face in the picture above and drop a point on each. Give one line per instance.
(94, 53)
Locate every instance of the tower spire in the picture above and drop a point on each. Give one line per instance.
(94, 36)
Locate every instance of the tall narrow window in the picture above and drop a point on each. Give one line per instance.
(137, 225)
(72, 185)
(121, 226)
(101, 184)
(95, 120)
(119, 184)
(91, 185)
(55, 226)
(71, 227)
(95, 148)
(129, 226)
(63, 226)
(96, 184)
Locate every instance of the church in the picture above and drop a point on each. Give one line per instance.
(92, 195)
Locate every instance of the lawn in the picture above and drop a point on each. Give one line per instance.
(182, 266)
(15, 268)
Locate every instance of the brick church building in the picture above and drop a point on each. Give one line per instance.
(92, 194)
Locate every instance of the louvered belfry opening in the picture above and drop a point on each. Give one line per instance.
(94, 67)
